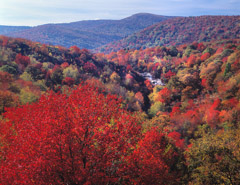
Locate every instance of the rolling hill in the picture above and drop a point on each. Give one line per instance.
(9, 29)
(180, 30)
(88, 34)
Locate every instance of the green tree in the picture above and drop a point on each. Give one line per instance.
(7, 99)
(27, 96)
(215, 157)
(57, 76)
(11, 69)
(36, 71)
(72, 72)
(115, 78)
(155, 108)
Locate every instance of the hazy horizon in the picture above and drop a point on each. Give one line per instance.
(33, 13)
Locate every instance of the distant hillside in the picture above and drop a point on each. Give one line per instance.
(89, 34)
(29, 69)
(9, 29)
(180, 30)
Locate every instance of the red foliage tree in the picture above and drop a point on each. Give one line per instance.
(191, 61)
(139, 97)
(23, 61)
(231, 103)
(175, 110)
(193, 117)
(205, 56)
(64, 65)
(169, 74)
(4, 41)
(128, 68)
(152, 161)
(219, 50)
(176, 137)
(82, 138)
(68, 81)
(164, 95)
(212, 114)
(129, 79)
(5, 80)
(90, 67)
(148, 85)
(200, 47)
(206, 84)
(74, 49)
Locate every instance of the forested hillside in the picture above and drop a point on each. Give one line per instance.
(30, 69)
(180, 30)
(88, 34)
(9, 29)
(69, 116)
(199, 101)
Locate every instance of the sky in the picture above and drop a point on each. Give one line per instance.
(37, 12)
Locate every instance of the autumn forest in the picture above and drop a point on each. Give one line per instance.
(159, 106)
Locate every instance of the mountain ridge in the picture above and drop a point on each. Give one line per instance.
(180, 30)
(4, 29)
(88, 34)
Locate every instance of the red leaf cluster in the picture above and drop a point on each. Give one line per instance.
(82, 138)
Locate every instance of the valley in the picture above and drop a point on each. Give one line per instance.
(147, 99)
